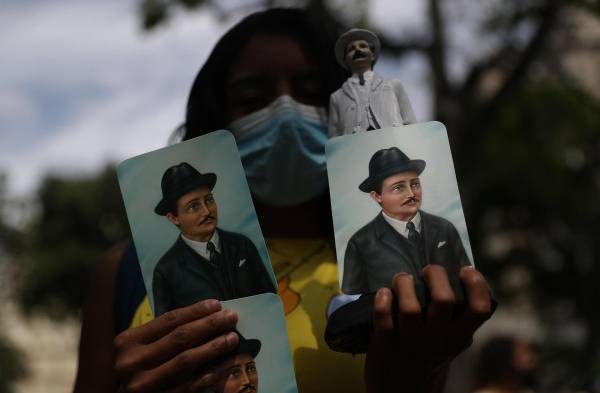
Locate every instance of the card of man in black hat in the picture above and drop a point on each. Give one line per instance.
(240, 373)
(402, 237)
(366, 101)
(205, 262)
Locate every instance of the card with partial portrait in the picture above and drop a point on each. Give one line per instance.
(194, 225)
(263, 360)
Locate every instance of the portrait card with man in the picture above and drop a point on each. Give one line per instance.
(194, 225)
(396, 208)
(263, 361)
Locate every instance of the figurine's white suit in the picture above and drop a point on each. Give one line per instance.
(388, 106)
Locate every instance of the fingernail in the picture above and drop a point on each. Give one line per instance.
(208, 378)
(402, 274)
(232, 339)
(230, 316)
(212, 304)
(381, 293)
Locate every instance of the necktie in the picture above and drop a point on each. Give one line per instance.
(413, 235)
(214, 255)
(221, 273)
(415, 238)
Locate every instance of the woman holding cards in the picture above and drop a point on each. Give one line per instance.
(268, 80)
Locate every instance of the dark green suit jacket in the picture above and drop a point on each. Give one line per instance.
(182, 277)
(376, 252)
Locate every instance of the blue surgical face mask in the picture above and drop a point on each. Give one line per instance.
(282, 148)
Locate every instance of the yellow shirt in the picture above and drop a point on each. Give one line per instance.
(307, 276)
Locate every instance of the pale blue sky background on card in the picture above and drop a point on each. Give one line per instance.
(140, 177)
(262, 317)
(348, 165)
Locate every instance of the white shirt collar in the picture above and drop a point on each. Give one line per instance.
(368, 75)
(200, 247)
(400, 226)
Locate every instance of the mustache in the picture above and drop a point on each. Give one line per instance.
(359, 55)
(248, 388)
(206, 218)
(409, 200)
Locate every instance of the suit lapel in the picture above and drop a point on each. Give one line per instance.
(348, 90)
(395, 241)
(196, 263)
(430, 234)
(230, 266)
(375, 82)
(191, 259)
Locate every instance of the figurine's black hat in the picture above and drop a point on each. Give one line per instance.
(250, 346)
(353, 35)
(387, 162)
(177, 181)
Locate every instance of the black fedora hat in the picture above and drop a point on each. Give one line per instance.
(179, 180)
(250, 346)
(387, 162)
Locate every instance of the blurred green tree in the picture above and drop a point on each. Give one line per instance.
(10, 237)
(537, 182)
(77, 220)
(12, 365)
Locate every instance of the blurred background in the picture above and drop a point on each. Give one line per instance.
(86, 84)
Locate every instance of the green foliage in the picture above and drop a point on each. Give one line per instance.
(542, 147)
(12, 365)
(78, 220)
(10, 238)
(537, 181)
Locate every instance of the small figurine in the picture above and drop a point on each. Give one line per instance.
(365, 101)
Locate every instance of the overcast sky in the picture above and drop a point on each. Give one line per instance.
(82, 84)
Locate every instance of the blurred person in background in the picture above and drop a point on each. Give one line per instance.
(268, 80)
(506, 365)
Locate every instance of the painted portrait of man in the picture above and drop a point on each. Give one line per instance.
(402, 237)
(240, 373)
(204, 262)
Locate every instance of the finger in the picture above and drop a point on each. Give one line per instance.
(169, 373)
(441, 306)
(178, 340)
(383, 322)
(409, 309)
(162, 325)
(478, 310)
(189, 335)
(206, 380)
(168, 321)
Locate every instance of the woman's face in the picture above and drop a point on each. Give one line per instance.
(268, 67)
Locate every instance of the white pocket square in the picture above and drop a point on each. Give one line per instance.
(441, 244)
(242, 261)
